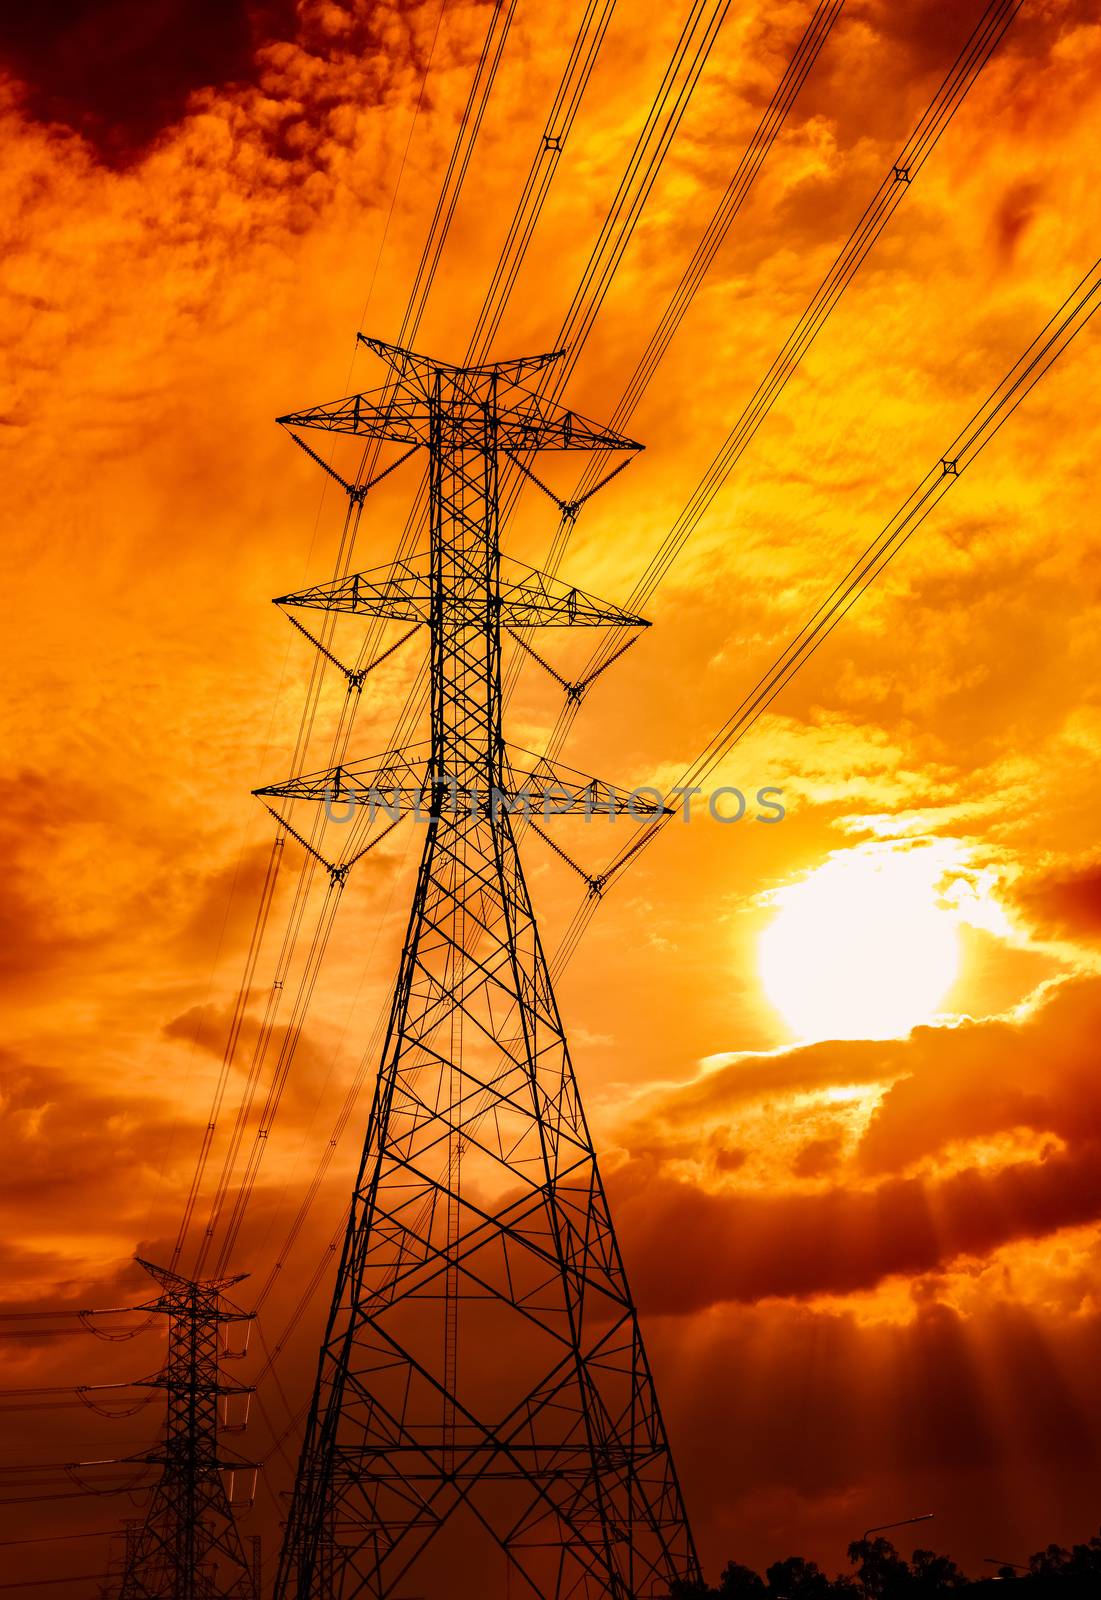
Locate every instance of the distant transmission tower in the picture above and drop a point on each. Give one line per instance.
(482, 1375)
(188, 1547)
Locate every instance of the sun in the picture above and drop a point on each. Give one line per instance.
(862, 948)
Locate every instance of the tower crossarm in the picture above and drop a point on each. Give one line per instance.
(413, 368)
(400, 593)
(400, 416)
(526, 598)
(402, 773)
(533, 786)
(219, 1463)
(211, 1385)
(535, 600)
(184, 1291)
(540, 776)
(478, 399)
(539, 424)
(535, 425)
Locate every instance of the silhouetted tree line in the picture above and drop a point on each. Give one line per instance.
(880, 1573)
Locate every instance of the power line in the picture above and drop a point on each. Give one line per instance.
(810, 44)
(470, 124)
(1037, 360)
(714, 236)
(60, 1538)
(694, 44)
(557, 130)
(404, 158)
(901, 173)
(40, 1583)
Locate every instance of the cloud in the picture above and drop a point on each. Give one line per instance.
(1035, 1071)
(915, 1192)
(70, 1149)
(737, 1080)
(187, 261)
(120, 73)
(694, 1249)
(818, 1157)
(1066, 903)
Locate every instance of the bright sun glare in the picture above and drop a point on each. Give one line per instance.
(862, 948)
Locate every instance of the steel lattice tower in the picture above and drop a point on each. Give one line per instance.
(188, 1547)
(482, 1358)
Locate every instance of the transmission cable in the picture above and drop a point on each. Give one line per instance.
(734, 196)
(922, 141)
(484, 77)
(646, 159)
(901, 173)
(1051, 343)
(567, 101)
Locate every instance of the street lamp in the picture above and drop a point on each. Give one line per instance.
(926, 1516)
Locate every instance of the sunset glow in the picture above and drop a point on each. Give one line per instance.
(840, 1070)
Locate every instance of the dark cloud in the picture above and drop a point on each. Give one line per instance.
(879, 1217)
(1014, 215)
(691, 1249)
(64, 1146)
(263, 1047)
(121, 71)
(222, 902)
(1066, 903)
(817, 1157)
(985, 1078)
(930, 32)
(743, 1080)
(729, 1160)
(47, 930)
(35, 940)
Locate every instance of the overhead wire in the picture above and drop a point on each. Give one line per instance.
(959, 79)
(58, 1538)
(902, 171)
(737, 191)
(783, 98)
(690, 53)
(404, 159)
(470, 125)
(567, 100)
(741, 182)
(698, 36)
(1054, 339)
(646, 157)
(84, 1325)
(42, 1399)
(679, 80)
(675, 91)
(246, 989)
(42, 1583)
(662, 121)
(557, 129)
(922, 157)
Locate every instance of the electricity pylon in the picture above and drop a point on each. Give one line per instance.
(188, 1547)
(482, 1361)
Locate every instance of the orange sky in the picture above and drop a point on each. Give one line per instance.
(866, 1266)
